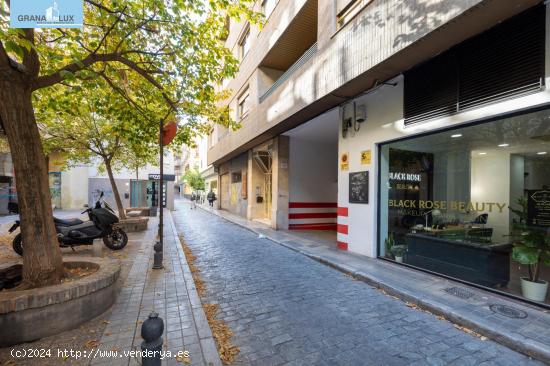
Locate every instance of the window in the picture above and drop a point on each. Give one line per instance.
(243, 105)
(350, 11)
(459, 202)
(268, 6)
(236, 177)
(244, 43)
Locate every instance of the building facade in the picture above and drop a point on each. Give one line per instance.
(73, 187)
(415, 131)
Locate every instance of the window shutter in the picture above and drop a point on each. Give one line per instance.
(430, 89)
(504, 62)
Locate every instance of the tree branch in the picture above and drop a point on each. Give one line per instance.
(123, 94)
(30, 58)
(109, 30)
(56, 77)
(146, 75)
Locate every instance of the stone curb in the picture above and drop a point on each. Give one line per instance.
(107, 274)
(206, 340)
(513, 341)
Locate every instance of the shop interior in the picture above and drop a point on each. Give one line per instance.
(472, 203)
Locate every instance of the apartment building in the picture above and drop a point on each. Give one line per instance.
(404, 129)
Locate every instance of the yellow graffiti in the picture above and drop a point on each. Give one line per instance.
(233, 198)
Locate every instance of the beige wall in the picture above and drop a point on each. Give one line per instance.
(379, 43)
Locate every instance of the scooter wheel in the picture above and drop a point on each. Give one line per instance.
(17, 244)
(116, 240)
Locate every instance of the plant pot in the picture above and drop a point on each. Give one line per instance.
(399, 259)
(535, 291)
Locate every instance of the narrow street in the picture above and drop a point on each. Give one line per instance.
(285, 308)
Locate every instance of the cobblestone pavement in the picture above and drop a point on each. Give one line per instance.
(285, 308)
(109, 339)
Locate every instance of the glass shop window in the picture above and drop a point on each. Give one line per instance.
(472, 203)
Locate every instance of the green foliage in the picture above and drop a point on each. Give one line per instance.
(164, 58)
(101, 124)
(531, 244)
(398, 250)
(193, 178)
(389, 242)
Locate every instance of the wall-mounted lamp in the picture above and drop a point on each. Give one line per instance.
(359, 115)
(347, 120)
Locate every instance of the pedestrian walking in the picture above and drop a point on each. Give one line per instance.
(193, 201)
(211, 197)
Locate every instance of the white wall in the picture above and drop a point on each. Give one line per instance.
(490, 183)
(131, 174)
(313, 174)
(385, 123)
(384, 111)
(74, 188)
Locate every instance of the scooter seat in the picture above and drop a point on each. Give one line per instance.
(67, 222)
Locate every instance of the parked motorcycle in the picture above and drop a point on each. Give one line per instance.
(74, 232)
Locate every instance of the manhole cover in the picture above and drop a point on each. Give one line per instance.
(459, 292)
(508, 311)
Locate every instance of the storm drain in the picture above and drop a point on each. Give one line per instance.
(459, 292)
(508, 311)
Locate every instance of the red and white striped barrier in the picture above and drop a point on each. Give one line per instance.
(312, 215)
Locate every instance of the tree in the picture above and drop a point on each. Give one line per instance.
(173, 46)
(194, 179)
(99, 125)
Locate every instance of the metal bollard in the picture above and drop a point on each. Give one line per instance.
(157, 257)
(97, 248)
(151, 347)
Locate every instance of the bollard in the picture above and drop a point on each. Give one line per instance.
(97, 248)
(151, 347)
(157, 257)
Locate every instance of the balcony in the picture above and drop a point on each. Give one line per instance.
(296, 45)
(291, 70)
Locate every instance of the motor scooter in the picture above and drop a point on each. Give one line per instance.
(74, 232)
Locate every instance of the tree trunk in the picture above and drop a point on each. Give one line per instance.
(119, 206)
(42, 260)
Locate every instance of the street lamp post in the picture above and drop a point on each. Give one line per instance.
(157, 262)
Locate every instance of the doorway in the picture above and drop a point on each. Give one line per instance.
(224, 191)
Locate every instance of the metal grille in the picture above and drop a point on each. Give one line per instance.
(504, 62)
(459, 292)
(508, 311)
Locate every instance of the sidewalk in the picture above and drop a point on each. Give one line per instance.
(171, 293)
(518, 326)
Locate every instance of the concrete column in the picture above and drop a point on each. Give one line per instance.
(217, 204)
(279, 208)
(251, 197)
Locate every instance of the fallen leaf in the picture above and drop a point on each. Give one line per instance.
(92, 343)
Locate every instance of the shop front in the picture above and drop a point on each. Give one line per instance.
(472, 203)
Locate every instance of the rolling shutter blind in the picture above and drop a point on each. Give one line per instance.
(504, 62)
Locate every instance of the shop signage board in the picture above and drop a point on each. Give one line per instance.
(538, 208)
(359, 187)
(166, 177)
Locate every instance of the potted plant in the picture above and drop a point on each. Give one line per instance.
(389, 242)
(399, 251)
(531, 248)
